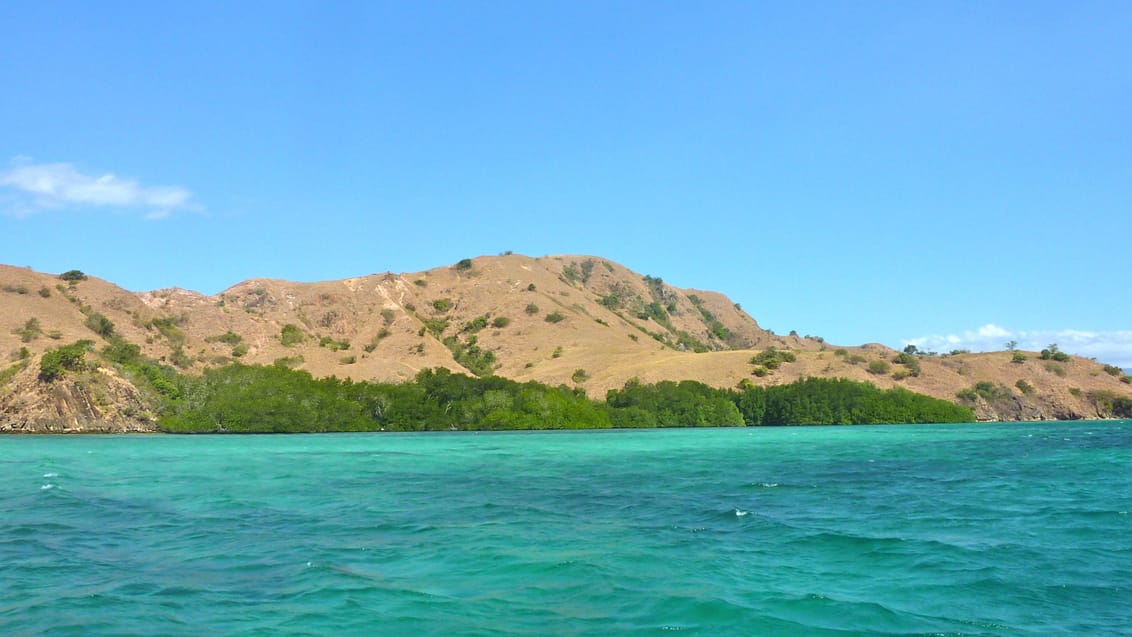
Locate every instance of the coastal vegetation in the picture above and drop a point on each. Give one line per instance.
(265, 399)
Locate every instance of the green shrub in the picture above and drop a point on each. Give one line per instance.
(288, 362)
(531, 309)
(500, 322)
(1053, 353)
(435, 327)
(228, 338)
(464, 264)
(1113, 370)
(1024, 387)
(878, 367)
(333, 345)
(9, 373)
(841, 352)
(772, 359)
(68, 358)
(44, 292)
(291, 335)
(383, 333)
(442, 305)
(30, 331)
(555, 317)
(910, 361)
(990, 390)
(475, 325)
(1018, 358)
(477, 360)
(122, 352)
(73, 276)
(179, 358)
(100, 325)
(240, 350)
(580, 376)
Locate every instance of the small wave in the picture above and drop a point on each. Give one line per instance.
(47, 487)
(51, 475)
(740, 513)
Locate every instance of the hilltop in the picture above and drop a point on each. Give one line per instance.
(581, 321)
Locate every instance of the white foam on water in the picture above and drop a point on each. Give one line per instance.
(47, 487)
(740, 513)
(51, 475)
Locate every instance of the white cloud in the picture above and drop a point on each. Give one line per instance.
(38, 187)
(1107, 347)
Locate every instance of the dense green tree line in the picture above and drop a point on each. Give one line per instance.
(258, 399)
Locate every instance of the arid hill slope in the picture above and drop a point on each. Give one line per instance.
(561, 319)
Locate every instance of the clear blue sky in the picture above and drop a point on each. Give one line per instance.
(863, 171)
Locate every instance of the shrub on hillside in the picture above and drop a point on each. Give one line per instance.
(63, 359)
(100, 325)
(290, 335)
(878, 367)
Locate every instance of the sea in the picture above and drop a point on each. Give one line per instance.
(978, 529)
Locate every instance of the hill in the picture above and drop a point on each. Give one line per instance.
(574, 320)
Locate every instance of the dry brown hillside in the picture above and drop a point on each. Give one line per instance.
(576, 320)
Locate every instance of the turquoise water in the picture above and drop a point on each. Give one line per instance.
(1008, 529)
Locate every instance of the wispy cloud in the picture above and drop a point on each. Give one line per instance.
(39, 187)
(1107, 347)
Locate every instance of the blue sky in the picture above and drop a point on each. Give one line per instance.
(953, 174)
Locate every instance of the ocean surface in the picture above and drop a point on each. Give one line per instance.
(1003, 529)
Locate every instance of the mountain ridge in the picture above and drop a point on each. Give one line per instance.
(577, 320)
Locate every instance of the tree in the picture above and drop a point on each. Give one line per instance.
(1011, 345)
(73, 276)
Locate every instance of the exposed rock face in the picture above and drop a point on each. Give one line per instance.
(96, 401)
(1020, 408)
